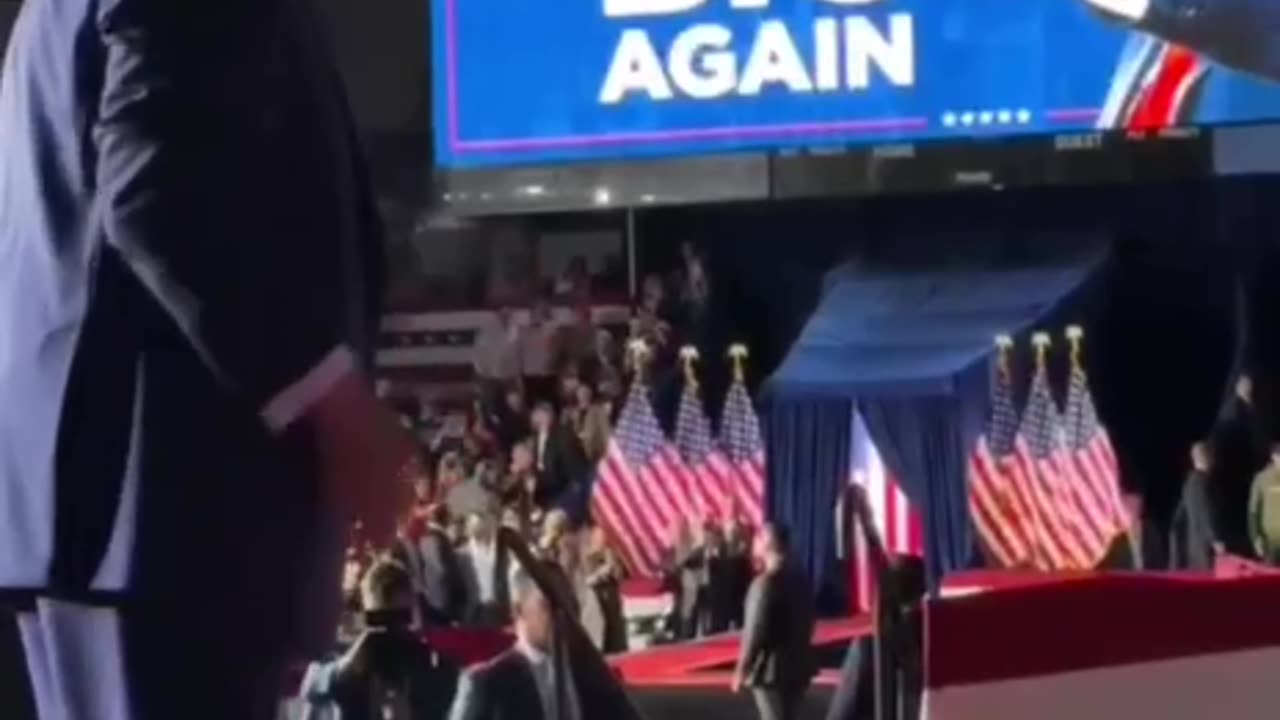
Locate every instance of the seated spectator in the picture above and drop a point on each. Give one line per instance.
(388, 672)
(604, 368)
(443, 592)
(486, 565)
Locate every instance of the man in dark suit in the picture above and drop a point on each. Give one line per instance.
(189, 286)
(776, 659)
(442, 583)
(486, 566)
(521, 684)
(557, 456)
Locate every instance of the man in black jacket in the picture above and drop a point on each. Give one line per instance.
(776, 659)
(190, 281)
(388, 672)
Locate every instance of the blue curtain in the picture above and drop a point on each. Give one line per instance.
(925, 443)
(808, 444)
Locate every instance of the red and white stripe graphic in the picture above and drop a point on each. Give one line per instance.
(1106, 647)
(897, 522)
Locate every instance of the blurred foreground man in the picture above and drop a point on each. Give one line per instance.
(776, 660)
(523, 683)
(189, 261)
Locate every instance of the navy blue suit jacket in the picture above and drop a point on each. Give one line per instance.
(185, 230)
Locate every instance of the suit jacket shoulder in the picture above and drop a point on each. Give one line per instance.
(500, 689)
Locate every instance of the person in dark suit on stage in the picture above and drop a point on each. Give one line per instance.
(1240, 451)
(1195, 544)
(190, 281)
(776, 659)
(522, 684)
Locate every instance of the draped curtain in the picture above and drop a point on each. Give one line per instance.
(808, 443)
(925, 442)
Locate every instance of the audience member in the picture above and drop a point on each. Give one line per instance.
(443, 593)
(478, 494)
(718, 605)
(486, 565)
(575, 283)
(525, 682)
(388, 672)
(576, 345)
(590, 422)
(735, 568)
(604, 576)
(538, 353)
(497, 357)
(557, 456)
(689, 570)
(776, 659)
(513, 420)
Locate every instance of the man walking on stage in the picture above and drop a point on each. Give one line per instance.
(776, 660)
(189, 283)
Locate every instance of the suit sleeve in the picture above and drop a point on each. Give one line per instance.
(1244, 34)
(249, 300)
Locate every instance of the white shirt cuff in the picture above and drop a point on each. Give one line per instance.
(1131, 10)
(294, 401)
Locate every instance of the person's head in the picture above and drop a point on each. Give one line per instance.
(532, 611)
(555, 525)
(422, 488)
(1202, 456)
(543, 416)
(480, 528)
(451, 469)
(386, 586)
(653, 288)
(569, 384)
(515, 399)
(604, 342)
(584, 395)
(688, 251)
(1244, 388)
(772, 546)
(521, 457)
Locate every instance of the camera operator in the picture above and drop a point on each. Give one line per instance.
(388, 673)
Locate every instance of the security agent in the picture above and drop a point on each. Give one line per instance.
(388, 673)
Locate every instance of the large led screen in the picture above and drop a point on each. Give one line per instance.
(522, 81)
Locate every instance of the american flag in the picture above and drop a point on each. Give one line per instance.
(1061, 543)
(1097, 476)
(710, 473)
(641, 491)
(999, 494)
(897, 523)
(740, 437)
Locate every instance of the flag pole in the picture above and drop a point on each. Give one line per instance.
(738, 355)
(689, 357)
